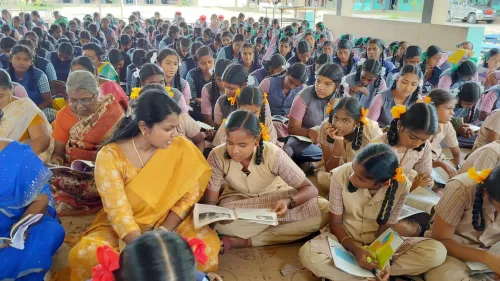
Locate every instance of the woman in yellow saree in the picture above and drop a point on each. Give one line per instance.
(148, 177)
(23, 121)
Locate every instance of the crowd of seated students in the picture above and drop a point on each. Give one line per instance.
(331, 134)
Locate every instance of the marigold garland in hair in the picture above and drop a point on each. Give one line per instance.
(134, 94)
(397, 111)
(264, 131)
(363, 118)
(399, 176)
(479, 177)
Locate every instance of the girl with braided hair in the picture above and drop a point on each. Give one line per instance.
(212, 91)
(467, 98)
(251, 99)
(342, 135)
(491, 63)
(467, 224)
(259, 174)
(169, 61)
(249, 58)
(365, 82)
(318, 62)
(404, 91)
(489, 102)
(303, 55)
(451, 79)
(445, 103)
(366, 198)
(272, 67)
(409, 137)
(429, 65)
(345, 56)
(375, 50)
(398, 51)
(412, 55)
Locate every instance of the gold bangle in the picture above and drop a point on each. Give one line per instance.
(342, 241)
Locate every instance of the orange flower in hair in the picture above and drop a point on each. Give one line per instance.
(329, 108)
(264, 132)
(135, 93)
(265, 98)
(364, 113)
(233, 100)
(426, 100)
(478, 177)
(224, 122)
(397, 111)
(399, 176)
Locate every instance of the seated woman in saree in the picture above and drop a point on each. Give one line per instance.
(106, 86)
(148, 177)
(26, 191)
(80, 129)
(22, 120)
(261, 175)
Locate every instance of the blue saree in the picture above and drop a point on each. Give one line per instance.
(22, 178)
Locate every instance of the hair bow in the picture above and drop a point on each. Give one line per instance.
(426, 100)
(399, 176)
(224, 122)
(233, 100)
(454, 68)
(264, 132)
(329, 108)
(169, 91)
(135, 93)
(478, 177)
(424, 56)
(397, 111)
(109, 261)
(364, 113)
(265, 98)
(198, 247)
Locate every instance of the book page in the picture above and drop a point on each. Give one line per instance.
(422, 198)
(206, 214)
(439, 175)
(345, 260)
(480, 267)
(385, 246)
(204, 126)
(408, 211)
(262, 216)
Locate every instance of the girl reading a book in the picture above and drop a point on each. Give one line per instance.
(466, 223)
(445, 104)
(365, 82)
(366, 198)
(22, 120)
(451, 79)
(79, 131)
(251, 99)
(260, 175)
(468, 96)
(342, 135)
(24, 192)
(429, 65)
(147, 177)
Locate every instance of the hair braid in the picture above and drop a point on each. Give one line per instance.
(358, 140)
(377, 84)
(214, 94)
(471, 114)
(350, 62)
(392, 134)
(385, 209)
(33, 84)
(477, 210)
(260, 148)
(394, 84)
(177, 81)
(357, 77)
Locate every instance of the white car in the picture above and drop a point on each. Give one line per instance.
(471, 11)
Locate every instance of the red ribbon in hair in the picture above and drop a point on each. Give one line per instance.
(109, 261)
(198, 247)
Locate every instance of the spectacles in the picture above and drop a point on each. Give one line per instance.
(86, 101)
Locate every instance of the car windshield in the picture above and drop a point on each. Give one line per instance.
(479, 2)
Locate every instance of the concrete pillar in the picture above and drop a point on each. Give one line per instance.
(344, 8)
(435, 11)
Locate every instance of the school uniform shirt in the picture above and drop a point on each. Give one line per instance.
(130, 79)
(196, 82)
(380, 109)
(392, 76)
(207, 105)
(487, 156)
(293, 60)
(109, 36)
(447, 135)
(420, 161)
(227, 53)
(387, 66)
(4, 61)
(360, 209)
(346, 69)
(46, 66)
(276, 178)
(62, 69)
(186, 65)
(366, 101)
(255, 66)
(42, 84)
(223, 108)
(164, 42)
(490, 100)
(309, 108)
(482, 72)
(187, 127)
(455, 207)
(370, 132)
(492, 123)
(259, 75)
(279, 103)
(21, 29)
(446, 83)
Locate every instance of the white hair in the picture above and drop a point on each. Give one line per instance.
(82, 80)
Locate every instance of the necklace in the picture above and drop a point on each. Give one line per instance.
(137, 152)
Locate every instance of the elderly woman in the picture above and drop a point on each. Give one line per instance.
(23, 121)
(26, 192)
(80, 129)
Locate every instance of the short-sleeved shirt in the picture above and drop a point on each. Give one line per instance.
(447, 134)
(487, 156)
(492, 123)
(455, 207)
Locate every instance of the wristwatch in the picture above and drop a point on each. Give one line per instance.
(292, 203)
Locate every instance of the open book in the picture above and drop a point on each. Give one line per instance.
(207, 214)
(383, 248)
(280, 118)
(76, 167)
(439, 175)
(18, 230)
(423, 199)
(479, 268)
(205, 126)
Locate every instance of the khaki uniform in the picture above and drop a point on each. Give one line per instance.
(360, 210)
(455, 207)
(492, 123)
(446, 133)
(487, 156)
